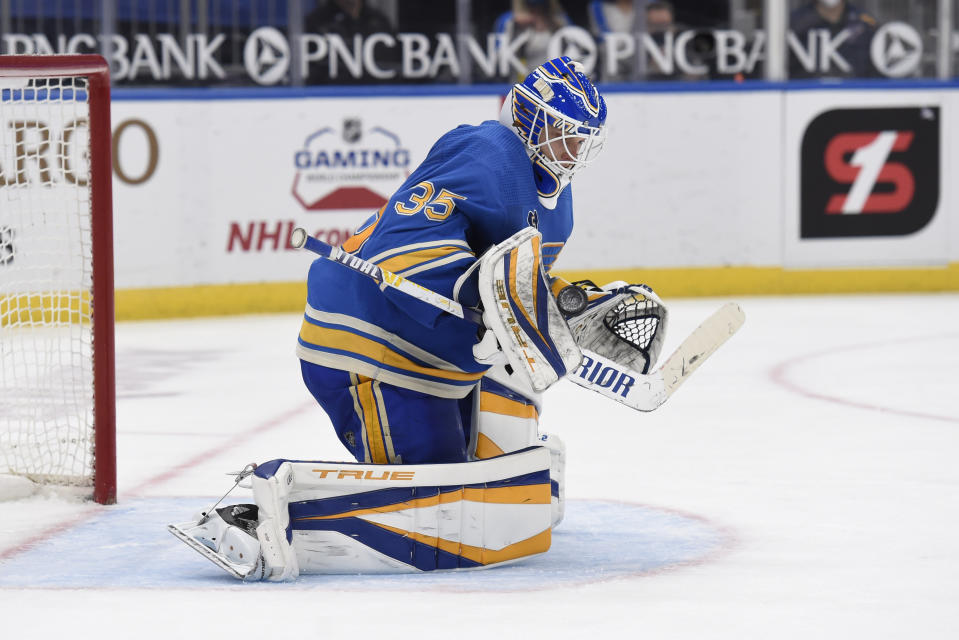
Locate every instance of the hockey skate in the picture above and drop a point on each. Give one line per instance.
(227, 538)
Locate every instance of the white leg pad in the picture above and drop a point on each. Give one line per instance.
(507, 416)
(557, 474)
(340, 517)
(498, 434)
(362, 518)
(508, 420)
(271, 495)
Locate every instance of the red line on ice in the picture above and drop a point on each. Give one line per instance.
(235, 439)
(95, 510)
(780, 375)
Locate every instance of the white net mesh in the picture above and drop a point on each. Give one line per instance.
(46, 363)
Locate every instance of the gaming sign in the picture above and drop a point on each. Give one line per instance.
(350, 167)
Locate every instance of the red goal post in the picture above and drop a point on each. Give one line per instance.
(57, 371)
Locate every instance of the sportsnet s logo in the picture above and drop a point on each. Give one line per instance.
(869, 172)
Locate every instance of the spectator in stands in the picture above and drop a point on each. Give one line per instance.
(347, 18)
(836, 17)
(344, 18)
(618, 16)
(538, 18)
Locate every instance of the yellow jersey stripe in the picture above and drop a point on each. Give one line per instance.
(371, 423)
(384, 423)
(354, 385)
(433, 264)
(506, 407)
(550, 253)
(345, 340)
(407, 248)
(361, 326)
(405, 261)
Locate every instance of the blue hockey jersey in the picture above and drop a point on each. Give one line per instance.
(475, 188)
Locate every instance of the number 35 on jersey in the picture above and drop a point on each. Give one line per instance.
(424, 197)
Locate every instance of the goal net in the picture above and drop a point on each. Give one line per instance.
(57, 407)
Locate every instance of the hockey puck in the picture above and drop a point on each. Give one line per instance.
(571, 300)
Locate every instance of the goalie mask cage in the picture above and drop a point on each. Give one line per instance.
(57, 396)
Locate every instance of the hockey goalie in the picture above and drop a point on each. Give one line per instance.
(441, 410)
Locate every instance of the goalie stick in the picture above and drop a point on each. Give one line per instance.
(643, 392)
(300, 239)
(571, 299)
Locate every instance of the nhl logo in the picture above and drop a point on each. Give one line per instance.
(532, 218)
(352, 130)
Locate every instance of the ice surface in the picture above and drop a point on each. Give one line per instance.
(802, 484)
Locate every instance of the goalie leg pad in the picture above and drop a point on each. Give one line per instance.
(508, 420)
(520, 310)
(359, 518)
(272, 484)
(557, 475)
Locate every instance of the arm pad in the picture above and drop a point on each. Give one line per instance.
(520, 311)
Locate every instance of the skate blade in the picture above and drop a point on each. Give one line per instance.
(237, 571)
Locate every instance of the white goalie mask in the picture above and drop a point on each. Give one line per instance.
(560, 117)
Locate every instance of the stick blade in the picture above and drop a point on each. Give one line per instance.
(701, 343)
(647, 392)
